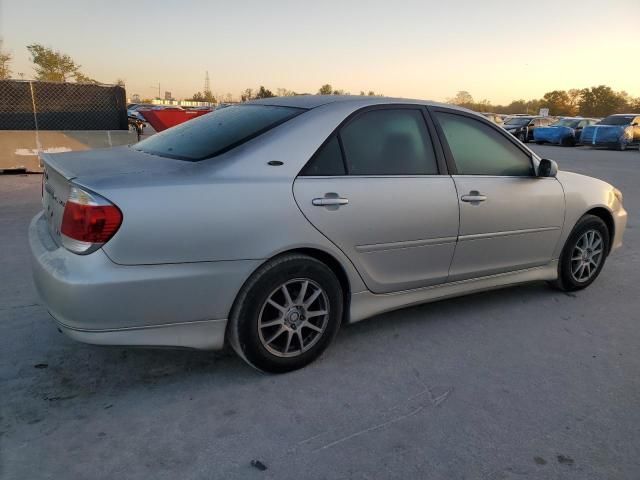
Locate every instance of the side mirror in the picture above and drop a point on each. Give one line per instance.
(547, 168)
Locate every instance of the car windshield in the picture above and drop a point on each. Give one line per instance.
(216, 132)
(617, 120)
(567, 122)
(518, 121)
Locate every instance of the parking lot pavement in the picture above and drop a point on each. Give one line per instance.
(519, 382)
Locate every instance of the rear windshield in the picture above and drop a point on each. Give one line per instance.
(216, 132)
(617, 120)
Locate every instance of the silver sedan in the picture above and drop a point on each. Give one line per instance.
(267, 225)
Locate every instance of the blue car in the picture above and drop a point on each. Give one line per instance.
(616, 131)
(566, 131)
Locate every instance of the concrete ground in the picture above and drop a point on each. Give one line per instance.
(524, 382)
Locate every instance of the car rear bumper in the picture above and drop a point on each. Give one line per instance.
(95, 300)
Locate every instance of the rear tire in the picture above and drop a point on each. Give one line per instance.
(568, 142)
(583, 255)
(286, 314)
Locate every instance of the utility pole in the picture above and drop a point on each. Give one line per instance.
(207, 86)
(158, 90)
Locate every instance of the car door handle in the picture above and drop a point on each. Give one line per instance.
(473, 197)
(329, 201)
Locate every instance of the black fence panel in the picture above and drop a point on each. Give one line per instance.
(62, 106)
(16, 106)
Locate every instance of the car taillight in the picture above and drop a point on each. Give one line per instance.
(88, 222)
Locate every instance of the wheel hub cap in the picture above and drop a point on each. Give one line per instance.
(294, 317)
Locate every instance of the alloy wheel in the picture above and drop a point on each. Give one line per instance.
(293, 318)
(587, 255)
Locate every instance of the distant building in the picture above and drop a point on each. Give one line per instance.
(181, 103)
(167, 96)
(135, 98)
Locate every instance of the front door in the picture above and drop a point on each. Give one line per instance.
(509, 218)
(375, 190)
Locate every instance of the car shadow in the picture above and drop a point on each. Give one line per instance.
(72, 369)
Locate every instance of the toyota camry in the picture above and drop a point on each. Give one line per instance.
(268, 225)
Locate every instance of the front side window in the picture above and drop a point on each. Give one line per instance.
(479, 149)
(216, 132)
(388, 142)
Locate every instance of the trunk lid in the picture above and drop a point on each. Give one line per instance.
(106, 162)
(59, 170)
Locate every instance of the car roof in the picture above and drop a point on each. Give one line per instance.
(313, 101)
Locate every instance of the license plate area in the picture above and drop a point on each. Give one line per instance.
(55, 193)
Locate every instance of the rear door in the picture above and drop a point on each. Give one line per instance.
(509, 218)
(379, 190)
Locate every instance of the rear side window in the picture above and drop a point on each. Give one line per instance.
(216, 132)
(479, 149)
(327, 161)
(388, 142)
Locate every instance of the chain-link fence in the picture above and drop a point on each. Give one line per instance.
(33, 105)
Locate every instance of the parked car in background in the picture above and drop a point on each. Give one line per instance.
(133, 110)
(268, 225)
(170, 116)
(565, 132)
(493, 117)
(523, 126)
(615, 131)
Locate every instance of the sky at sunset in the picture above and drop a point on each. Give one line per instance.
(497, 50)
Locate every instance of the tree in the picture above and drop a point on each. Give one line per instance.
(558, 102)
(5, 60)
(601, 101)
(325, 89)
(283, 92)
(574, 98)
(82, 78)
(462, 98)
(264, 93)
(197, 97)
(247, 95)
(50, 65)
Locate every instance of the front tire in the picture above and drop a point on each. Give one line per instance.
(583, 255)
(287, 314)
